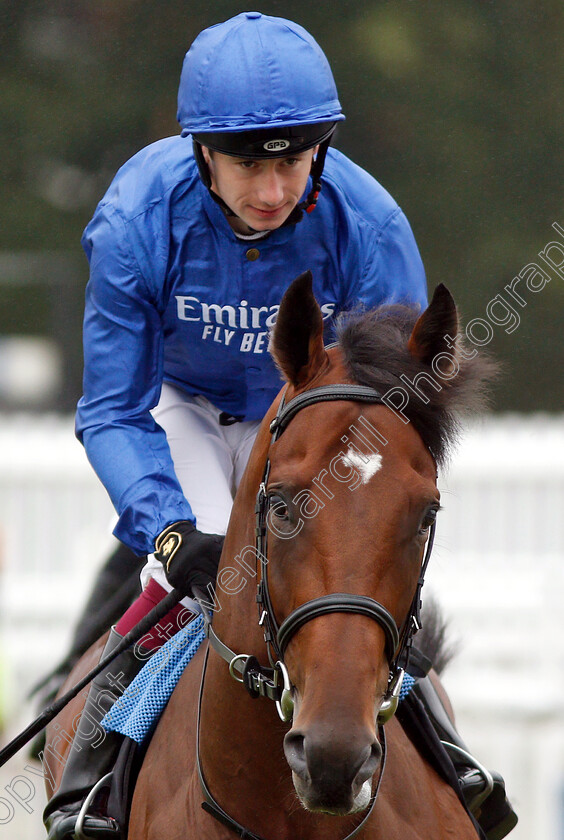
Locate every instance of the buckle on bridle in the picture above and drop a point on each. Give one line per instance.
(390, 702)
(233, 666)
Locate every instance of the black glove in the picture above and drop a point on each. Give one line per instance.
(190, 558)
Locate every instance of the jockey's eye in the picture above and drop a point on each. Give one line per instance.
(428, 520)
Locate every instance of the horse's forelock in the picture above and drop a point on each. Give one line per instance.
(374, 344)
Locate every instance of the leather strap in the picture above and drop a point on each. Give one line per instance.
(260, 681)
(325, 393)
(345, 603)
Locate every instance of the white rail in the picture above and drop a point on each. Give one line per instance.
(498, 569)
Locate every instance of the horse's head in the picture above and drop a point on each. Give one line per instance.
(351, 496)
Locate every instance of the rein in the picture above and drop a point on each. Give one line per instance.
(274, 682)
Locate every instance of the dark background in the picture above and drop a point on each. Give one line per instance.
(456, 108)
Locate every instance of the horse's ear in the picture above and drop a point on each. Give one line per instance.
(439, 320)
(296, 343)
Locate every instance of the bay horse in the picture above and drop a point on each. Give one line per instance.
(331, 520)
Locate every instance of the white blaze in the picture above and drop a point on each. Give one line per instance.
(367, 465)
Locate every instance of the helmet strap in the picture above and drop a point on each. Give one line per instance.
(316, 171)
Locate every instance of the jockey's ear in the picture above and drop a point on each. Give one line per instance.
(434, 326)
(296, 343)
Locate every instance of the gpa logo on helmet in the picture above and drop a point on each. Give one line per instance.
(276, 145)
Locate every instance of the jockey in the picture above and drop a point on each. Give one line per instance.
(190, 252)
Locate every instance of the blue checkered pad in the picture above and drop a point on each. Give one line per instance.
(134, 713)
(406, 686)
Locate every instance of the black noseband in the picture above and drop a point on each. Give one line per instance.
(345, 603)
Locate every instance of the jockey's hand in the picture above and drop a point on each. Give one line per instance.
(190, 557)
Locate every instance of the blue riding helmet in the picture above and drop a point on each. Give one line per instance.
(255, 71)
(258, 86)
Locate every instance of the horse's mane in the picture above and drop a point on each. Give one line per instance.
(433, 639)
(374, 347)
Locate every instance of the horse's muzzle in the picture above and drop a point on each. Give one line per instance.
(332, 774)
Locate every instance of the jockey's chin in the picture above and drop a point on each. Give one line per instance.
(252, 218)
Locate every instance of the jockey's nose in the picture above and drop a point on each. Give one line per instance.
(270, 189)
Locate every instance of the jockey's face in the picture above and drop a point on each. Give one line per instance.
(262, 193)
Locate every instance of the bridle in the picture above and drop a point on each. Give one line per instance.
(274, 682)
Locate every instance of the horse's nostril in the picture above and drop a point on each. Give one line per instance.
(294, 749)
(370, 765)
(318, 763)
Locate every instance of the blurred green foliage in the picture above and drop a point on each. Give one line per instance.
(457, 109)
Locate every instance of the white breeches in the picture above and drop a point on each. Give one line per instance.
(209, 461)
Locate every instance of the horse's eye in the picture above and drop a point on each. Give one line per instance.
(278, 507)
(428, 520)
